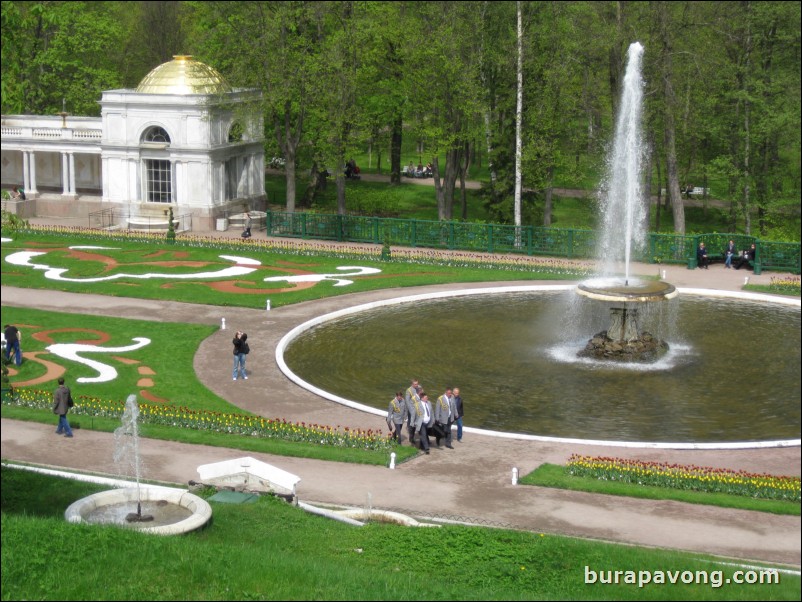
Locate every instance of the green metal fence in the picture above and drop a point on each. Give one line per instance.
(528, 240)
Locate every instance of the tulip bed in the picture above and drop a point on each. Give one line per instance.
(366, 252)
(217, 422)
(785, 284)
(687, 477)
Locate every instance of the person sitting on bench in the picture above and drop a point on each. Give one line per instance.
(701, 256)
(730, 251)
(747, 257)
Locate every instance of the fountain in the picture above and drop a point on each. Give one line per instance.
(126, 454)
(168, 510)
(517, 363)
(623, 230)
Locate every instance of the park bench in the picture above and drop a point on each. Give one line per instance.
(699, 191)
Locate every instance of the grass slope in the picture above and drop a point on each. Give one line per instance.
(270, 550)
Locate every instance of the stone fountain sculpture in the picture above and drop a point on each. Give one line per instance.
(624, 229)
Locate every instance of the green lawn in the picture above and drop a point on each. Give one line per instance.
(169, 355)
(117, 269)
(270, 550)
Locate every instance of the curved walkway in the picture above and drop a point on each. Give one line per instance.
(471, 482)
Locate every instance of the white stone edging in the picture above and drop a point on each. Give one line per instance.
(295, 332)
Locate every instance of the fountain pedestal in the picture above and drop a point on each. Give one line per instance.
(623, 340)
(623, 324)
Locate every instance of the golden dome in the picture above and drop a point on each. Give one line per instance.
(183, 75)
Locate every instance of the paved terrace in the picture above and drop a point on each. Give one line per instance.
(472, 482)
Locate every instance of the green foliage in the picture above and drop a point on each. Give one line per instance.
(377, 202)
(59, 55)
(11, 222)
(170, 236)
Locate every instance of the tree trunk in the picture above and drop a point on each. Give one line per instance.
(289, 175)
(615, 59)
(444, 188)
(647, 187)
(313, 184)
(490, 166)
(340, 179)
(547, 205)
(659, 190)
(672, 173)
(518, 115)
(438, 188)
(463, 173)
(288, 143)
(396, 138)
(747, 175)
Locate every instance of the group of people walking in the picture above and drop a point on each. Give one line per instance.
(425, 418)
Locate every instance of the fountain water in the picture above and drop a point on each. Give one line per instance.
(621, 194)
(170, 511)
(126, 454)
(623, 206)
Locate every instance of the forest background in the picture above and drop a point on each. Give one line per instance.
(722, 90)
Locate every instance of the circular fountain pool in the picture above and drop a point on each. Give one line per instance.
(733, 372)
(175, 511)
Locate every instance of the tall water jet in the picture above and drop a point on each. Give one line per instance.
(622, 201)
(623, 230)
(170, 511)
(126, 454)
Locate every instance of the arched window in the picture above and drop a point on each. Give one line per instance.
(156, 134)
(235, 133)
(157, 172)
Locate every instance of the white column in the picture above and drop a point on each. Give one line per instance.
(26, 176)
(104, 179)
(178, 182)
(65, 175)
(71, 157)
(32, 170)
(249, 179)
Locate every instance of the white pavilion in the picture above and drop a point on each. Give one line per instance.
(184, 139)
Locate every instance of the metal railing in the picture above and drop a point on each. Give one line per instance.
(528, 240)
(115, 219)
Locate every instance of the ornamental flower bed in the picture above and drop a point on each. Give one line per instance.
(217, 422)
(786, 284)
(688, 477)
(350, 251)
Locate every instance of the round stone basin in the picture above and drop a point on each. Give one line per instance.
(175, 511)
(634, 290)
